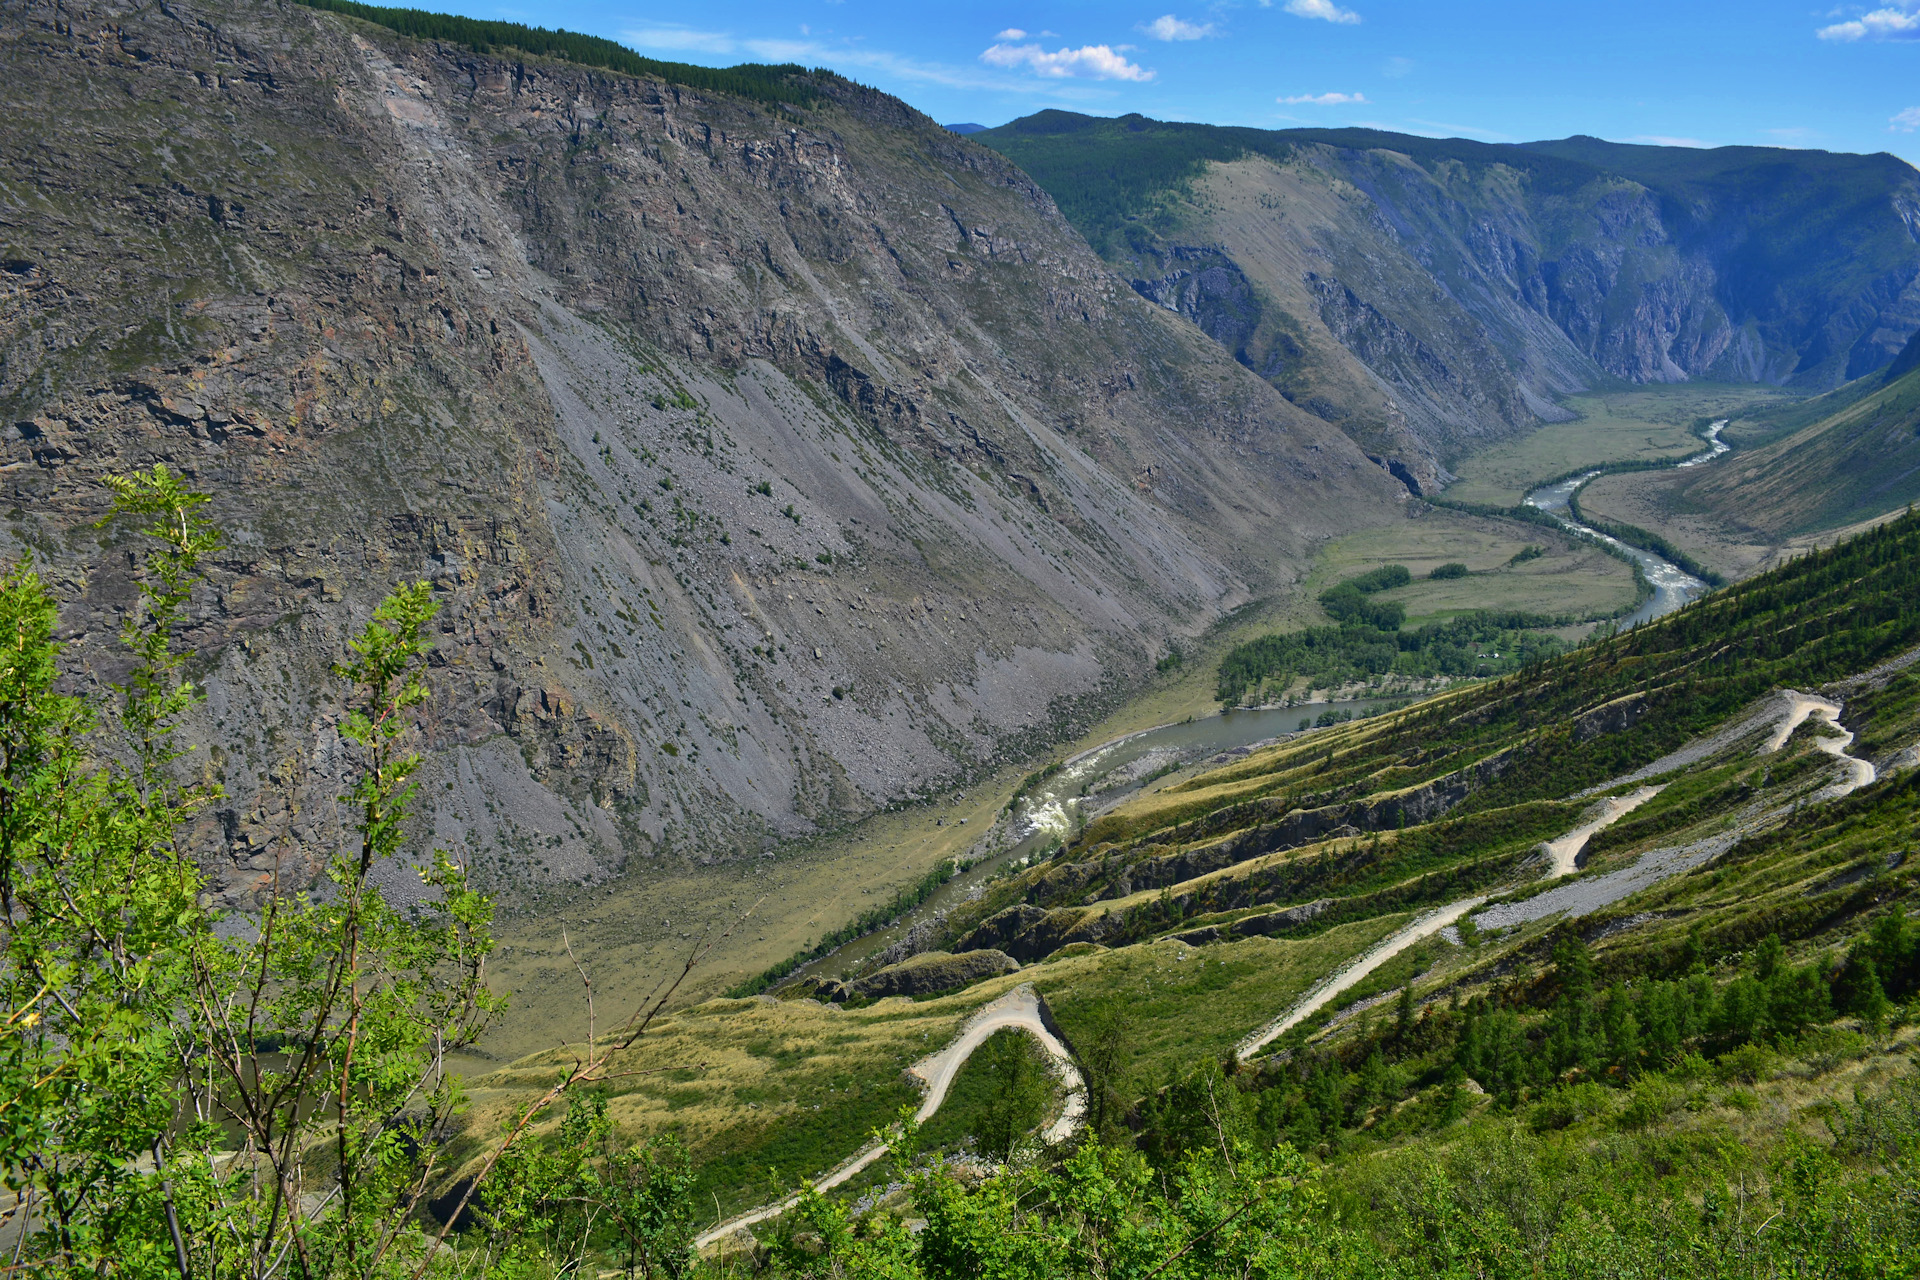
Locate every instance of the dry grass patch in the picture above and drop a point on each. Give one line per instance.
(767, 1093)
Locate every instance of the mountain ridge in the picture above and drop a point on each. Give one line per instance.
(1430, 295)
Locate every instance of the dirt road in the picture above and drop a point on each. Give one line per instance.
(1020, 1009)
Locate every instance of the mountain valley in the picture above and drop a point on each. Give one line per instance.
(1432, 296)
(1084, 697)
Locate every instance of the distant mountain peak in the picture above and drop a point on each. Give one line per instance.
(966, 127)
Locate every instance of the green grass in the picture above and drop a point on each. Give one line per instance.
(1645, 424)
(794, 1088)
(758, 81)
(771, 1093)
(768, 1093)
(1570, 580)
(977, 1101)
(1202, 1004)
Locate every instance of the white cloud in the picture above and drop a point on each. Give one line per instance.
(814, 53)
(1906, 122)
(682, 40)
(1090, 62)
(1441, 129)
(1900, 22)
(1325, 10)
(1667, 140)
(857, 59)
(1172, 28)
(1397, 68)
(1011, 33)
(864, 59)
(781, 50)
(1323, 99)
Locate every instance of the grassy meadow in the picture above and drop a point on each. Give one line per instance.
(1570, 579)
(767, 1092)
(1642, 424)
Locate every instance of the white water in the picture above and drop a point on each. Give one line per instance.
(1673, 586)
(1717, 447)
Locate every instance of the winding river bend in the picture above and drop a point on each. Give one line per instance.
(1672, 585)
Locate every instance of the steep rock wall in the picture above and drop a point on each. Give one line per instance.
(770, 465)
(1432, 295)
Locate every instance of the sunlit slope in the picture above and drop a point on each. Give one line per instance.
(1431, 296)
(1858, 461)
(767, 1092)
(1212, 906)
(1455, 794)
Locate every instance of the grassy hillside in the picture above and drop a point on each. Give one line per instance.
(1857, 462)
(1792, 235)
(1849, 456)
(1732, 1003)
(1433, 297)
(1112, 177)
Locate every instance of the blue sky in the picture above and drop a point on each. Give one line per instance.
(1707, 72)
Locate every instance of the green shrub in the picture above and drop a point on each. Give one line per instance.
(1652, 1099)
(1825, 1048)
(1568, 1106)
(1385, 578)
(1749, 1064)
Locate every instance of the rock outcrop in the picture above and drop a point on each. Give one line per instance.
(931, 972)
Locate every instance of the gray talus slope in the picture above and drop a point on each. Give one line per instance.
(769, 465)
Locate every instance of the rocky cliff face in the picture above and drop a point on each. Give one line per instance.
(1429, 296)
(771, 464)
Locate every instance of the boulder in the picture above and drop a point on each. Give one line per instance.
(1001, 928)
(829, 990)
(1030, 933)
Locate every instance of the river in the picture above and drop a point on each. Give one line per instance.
(1672, 585)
